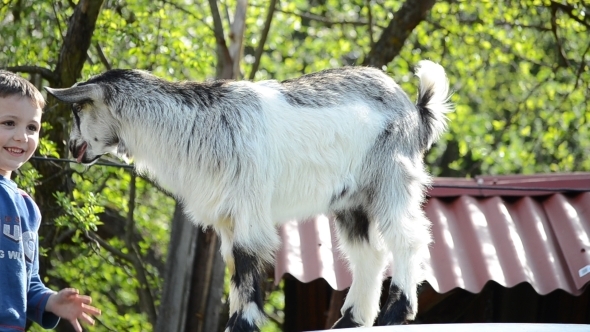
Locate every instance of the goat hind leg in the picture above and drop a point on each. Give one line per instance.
(409, 245)
(367, 263)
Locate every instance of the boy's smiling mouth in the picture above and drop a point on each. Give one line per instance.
(14, 151)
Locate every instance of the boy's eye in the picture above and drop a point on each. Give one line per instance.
(8, 123)
(32, 128)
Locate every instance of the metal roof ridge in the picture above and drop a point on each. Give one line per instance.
(510, 185)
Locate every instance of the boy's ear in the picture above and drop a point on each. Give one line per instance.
(77, 94)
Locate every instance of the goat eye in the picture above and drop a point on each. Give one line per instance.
(76, 108)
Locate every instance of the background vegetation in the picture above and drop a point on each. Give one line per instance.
(519, 70)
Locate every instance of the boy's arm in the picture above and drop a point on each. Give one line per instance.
(12, 290)
(37, 297)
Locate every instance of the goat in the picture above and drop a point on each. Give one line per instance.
(243, 157)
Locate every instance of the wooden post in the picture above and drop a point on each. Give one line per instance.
(204, 306)
(178, 275)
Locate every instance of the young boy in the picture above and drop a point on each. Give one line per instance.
(22, 293)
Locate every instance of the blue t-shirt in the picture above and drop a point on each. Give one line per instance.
(22, 293)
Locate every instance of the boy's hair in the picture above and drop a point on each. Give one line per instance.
(14, 85)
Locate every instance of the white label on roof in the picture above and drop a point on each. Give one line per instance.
(584, 271)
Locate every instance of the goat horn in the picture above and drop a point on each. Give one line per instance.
(77, 94)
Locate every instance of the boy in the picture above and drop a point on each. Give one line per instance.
(22, 293)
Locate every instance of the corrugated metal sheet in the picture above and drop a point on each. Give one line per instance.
(509, 229)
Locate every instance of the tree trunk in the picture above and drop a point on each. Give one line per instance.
(192, 293)
(68, 70)
(55, 178)
(399, 29)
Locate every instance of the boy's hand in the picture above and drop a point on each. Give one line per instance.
(70, 305)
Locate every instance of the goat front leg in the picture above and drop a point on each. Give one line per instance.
(245, 294)
(246, 261)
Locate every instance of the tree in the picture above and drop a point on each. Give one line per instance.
(519, 70)
(196, 304)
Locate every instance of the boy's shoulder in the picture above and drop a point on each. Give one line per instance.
(11, 188)
(8, 186)
(23, 193)
(11, 194)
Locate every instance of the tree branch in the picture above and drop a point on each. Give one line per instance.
(114, 226)
(47, 74)
(526, 26)
(561, 58)
(581, 68)
(399, 29)
(145, 295)
(371, 23)
(102, 57)
(263, 36)
(496, 42)
(324, 20)
(236, 36)
(186, 11)
(57, 19)
(224, 61)
(578, 75)
(569, 10)
(76, 43)
(104, 244)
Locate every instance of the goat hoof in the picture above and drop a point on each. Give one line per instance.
(346, 321)
(237, 323)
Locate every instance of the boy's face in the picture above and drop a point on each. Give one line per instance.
(20, 122)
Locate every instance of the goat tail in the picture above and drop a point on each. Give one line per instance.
(433, 102)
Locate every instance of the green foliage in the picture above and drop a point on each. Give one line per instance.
(520, 105)
(273, 307)
(80, 219)
(519, 71)
(27, 178)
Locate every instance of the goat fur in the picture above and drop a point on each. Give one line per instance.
(244, 157)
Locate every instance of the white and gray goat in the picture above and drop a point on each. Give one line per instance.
(244, 157)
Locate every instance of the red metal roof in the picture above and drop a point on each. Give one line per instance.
(509, 229)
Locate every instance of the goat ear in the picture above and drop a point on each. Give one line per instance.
(77, 94)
